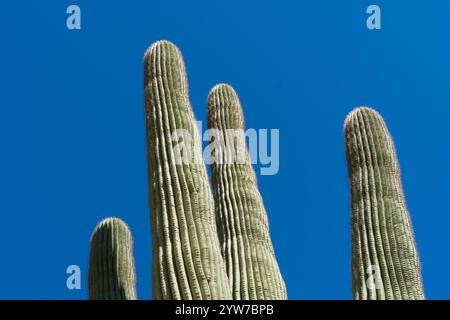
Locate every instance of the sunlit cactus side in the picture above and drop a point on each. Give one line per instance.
(243, 226)
(111, 264)
(385, 262)
(187, 262)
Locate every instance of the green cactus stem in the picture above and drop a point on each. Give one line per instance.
(111, 263)
(252, 268)
(385, 262)
(187, 262)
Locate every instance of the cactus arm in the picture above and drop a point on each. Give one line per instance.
(187, 263)
(111, 263)
(243, 224)
(382, 234)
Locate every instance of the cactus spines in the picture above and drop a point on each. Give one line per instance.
(252, 268)
(111, 264)
(383, 245)
(187, 262)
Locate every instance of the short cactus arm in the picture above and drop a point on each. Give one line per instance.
(187, 263)
(382, 236)
(243, 224)
(111, 263)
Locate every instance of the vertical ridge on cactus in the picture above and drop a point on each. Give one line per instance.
(382, 236)
(187, 263)
(252, 268)
(111, 263)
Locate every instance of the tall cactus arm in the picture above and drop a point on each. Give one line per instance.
(385, 262)
(187, 263)
(252, 268)
(111, 263)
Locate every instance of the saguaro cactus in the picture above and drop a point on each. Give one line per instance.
(187, 255)
(187, 263)
(111, 264)
(243, 229)
(385, 263)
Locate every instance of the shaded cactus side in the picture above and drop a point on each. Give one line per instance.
(187, 263)
(111, 264)
(243, 226)
(382, 235)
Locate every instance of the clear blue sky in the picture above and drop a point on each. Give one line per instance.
(73, 135)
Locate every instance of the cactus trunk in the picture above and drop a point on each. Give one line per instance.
(252, 268)
(383, 244)
(111, 263)
(187, 263)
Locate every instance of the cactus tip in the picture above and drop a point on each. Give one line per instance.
(359, 110)
(109, 221)
(160, 44)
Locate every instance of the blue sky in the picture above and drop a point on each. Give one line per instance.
(73, 130)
